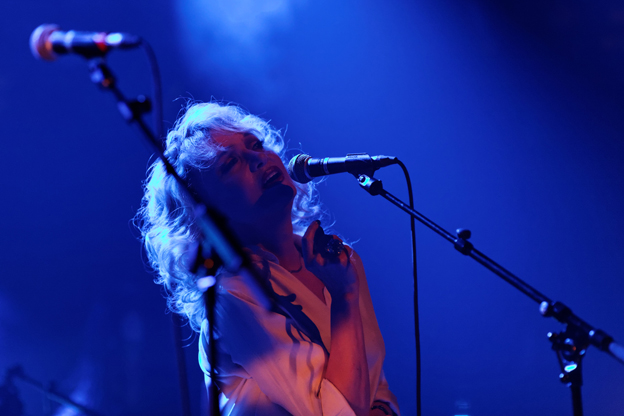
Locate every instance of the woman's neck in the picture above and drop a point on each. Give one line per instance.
(277, 239)
(281, 243)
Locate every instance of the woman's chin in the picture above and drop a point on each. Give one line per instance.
(276, 196)
(275, 201)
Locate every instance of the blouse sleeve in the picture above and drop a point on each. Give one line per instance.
(277, 363)
(385, 395)
(375, 348)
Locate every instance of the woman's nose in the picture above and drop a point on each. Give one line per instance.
(256, 160)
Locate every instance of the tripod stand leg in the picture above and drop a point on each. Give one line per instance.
(577, 404)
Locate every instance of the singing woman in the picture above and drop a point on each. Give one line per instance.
(319, 351)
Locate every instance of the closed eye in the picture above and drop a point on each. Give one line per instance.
(258, 145)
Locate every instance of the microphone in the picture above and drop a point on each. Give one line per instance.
(303, 168)
(48, 41)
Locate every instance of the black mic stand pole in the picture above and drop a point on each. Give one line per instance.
(218, 245)
(570, 345)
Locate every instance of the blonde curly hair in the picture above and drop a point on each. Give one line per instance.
(165, 218)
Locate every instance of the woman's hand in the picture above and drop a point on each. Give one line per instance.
(337, 273)
(347, 368)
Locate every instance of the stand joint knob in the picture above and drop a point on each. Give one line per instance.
(132, 109)
(557, 309)
(463, 233)
(371, 185)
(461, 242)
(600, 339)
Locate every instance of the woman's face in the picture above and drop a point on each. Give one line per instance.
(247, 183)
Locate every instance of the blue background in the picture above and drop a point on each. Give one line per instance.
(507, 114)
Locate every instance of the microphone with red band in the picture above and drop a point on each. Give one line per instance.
(48, 41)
(303, 168)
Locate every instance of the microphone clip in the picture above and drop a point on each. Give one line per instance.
(369, 184)
(360, 164)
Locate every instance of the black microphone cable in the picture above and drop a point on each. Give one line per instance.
(156, 89)
(415, 274)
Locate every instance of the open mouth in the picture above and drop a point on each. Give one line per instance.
(272, 177)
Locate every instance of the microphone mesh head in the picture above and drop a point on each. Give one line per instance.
(296, 168)
(38, 42)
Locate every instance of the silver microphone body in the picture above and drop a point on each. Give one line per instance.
(48, 41)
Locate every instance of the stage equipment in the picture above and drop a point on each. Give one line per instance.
(570, 345)
(48, 41)
(218, 245)
(303, 168)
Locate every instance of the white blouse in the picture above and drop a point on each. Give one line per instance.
(272, 362)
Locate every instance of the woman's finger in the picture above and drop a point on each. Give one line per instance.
(345, 257)
(307, 242)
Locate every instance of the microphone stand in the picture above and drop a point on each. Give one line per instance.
(218, 246)
(570, 345)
